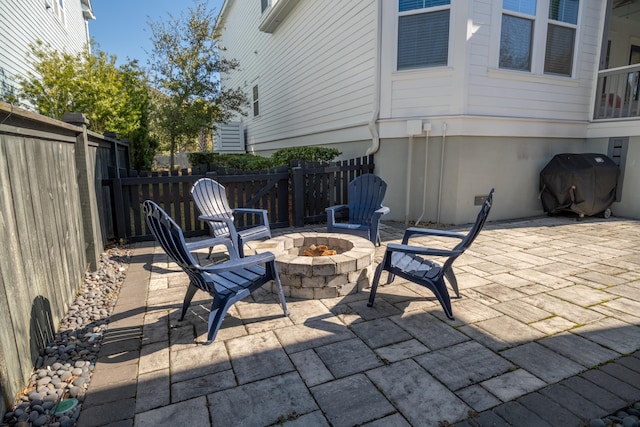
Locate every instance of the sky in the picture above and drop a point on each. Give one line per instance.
(121, 26)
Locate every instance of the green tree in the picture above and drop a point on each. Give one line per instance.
(111, 97)
(185, 66)
(142, 146)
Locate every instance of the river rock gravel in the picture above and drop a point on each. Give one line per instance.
(57, 387)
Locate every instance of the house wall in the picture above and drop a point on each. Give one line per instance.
(499, 127)
(471, 166)
(25, 21)
(315, 72)
(472, 84)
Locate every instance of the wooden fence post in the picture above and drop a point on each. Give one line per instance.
(88, 203)
(298, 196)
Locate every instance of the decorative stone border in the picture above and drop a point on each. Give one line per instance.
(347, 272)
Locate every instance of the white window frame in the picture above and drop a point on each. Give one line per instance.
(541, 23)
(57, 8)
(255, 100)
(420, 12)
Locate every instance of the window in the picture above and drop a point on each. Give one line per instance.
(561, 37)
(530, 26)
(56, 7)
(516, 38)
(264, 4)
(256, 105)
(423, 33)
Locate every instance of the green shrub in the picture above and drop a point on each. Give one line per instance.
(253, 162)
(231, 161)
(307, 154)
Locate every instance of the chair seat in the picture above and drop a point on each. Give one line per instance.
(235, 282)
(414, 266)
(346, 226)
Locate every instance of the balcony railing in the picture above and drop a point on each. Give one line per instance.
(618, 92)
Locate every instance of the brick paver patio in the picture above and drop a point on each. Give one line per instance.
(547, 332)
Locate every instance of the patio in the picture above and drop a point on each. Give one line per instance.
(546, 303)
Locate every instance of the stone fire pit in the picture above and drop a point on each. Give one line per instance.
(315, 277)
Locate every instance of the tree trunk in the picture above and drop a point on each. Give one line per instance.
(172, 154)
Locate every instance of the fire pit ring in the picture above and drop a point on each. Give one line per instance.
(316, 277)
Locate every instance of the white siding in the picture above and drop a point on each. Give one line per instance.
(315, 72)
(520, 94)
(472, 84)
(25, 21)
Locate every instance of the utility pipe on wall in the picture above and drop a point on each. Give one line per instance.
(444, 139)
(427, 129)
(408, 185)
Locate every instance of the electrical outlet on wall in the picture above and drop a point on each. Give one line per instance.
(478, 200)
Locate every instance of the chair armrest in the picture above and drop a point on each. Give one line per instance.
(336, 208)
(261, 212)
(227, 221)
(250, 261)
(331, 212)
(207, 243)
(409, 232)
(382, 210)
(395, 247)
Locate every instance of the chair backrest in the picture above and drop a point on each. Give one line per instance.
(477, 226)
(170, 237)
(366, 193)
(211, 199)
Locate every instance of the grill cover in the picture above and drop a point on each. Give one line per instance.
(582, 183)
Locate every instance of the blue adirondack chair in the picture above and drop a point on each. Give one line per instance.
(411, 262)
(227, 282)
(365, 194)
(211, 199)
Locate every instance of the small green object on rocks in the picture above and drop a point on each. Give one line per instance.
(64, 406)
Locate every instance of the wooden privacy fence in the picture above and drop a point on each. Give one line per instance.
(296, 195)
(318, 186)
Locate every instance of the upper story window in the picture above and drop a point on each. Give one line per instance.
(264, 4)
(256, 104)
(530, 26)
(57, 8)
(423, 33)
(561, 37)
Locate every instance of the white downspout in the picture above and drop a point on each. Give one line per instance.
(444, 139)
(375, 136)
(426, 158)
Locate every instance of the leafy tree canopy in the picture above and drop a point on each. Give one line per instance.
(111, 97)
(185, 66)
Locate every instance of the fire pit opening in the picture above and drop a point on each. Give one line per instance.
(326, 275)
(318, 250)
